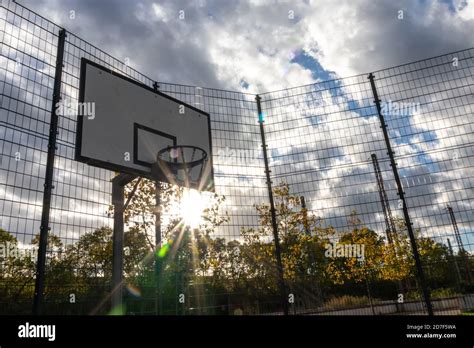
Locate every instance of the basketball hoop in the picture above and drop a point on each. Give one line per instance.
(181, 165)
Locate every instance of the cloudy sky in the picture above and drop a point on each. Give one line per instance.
(261, 46)
(264, 45)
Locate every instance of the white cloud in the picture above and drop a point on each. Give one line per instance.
(220, 43)
(466, 9)
(160, 12)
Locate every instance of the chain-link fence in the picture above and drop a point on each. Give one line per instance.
(347, 251)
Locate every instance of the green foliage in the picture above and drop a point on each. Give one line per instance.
(16, 276)
(194, 261)
(443, 292)
(347, 301)
(342, 270)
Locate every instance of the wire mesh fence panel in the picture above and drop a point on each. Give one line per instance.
(429, 112)
(340, 220)
(28, 59)
(82, 194)
(322, 138)
(237, 155)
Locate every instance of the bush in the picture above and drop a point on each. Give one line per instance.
(437, 293)
(443, 292)
(347, 301)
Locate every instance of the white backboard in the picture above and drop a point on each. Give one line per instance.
(132, 122)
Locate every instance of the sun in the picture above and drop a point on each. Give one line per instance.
(192, 207)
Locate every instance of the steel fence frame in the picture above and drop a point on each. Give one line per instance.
(320, 138)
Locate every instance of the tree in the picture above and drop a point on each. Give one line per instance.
(302, 240)
(192, 255)
(60, 279)
(355, 269)
(399, 263)
(16, 275)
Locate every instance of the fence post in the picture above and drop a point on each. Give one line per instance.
(401, 194)
(461, 250)
(456, 267)
(48, 185)
(158, 288)
(276, 239)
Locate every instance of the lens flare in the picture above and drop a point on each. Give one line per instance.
(174, 153)
(192, 207)
(118, 310)
(134, 291)
(164, 249)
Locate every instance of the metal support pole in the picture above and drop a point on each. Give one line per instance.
(156, 87)
(48, 185)
(456, 267)
(158, 295)
(401, 194)
(118, 197)
(276, 239)
(389, 223)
